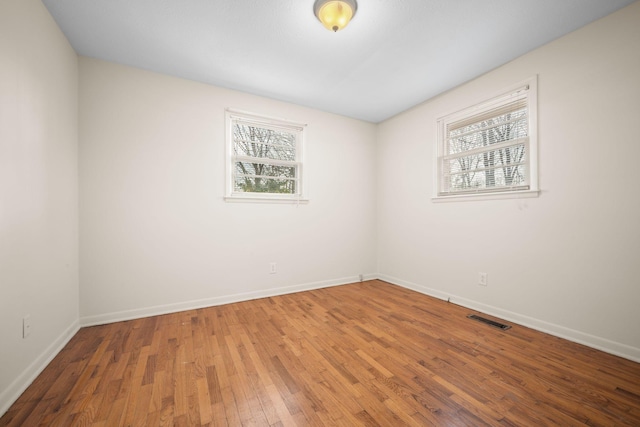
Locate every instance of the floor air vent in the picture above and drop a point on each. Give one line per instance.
(489, 322)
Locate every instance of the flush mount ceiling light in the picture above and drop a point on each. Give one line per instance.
(335, 14)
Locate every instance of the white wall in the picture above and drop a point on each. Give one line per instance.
(156, 234)
(38, 192)
(566, 262)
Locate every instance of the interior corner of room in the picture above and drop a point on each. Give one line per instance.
(112, 198)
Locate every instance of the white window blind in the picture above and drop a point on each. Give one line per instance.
(487, 148)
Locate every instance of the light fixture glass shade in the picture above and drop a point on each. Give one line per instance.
(335, 14)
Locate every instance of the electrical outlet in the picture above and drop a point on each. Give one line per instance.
(482, 279)
(26, 326)
(272, 268)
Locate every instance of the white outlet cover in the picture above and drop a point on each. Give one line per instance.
(482, 281)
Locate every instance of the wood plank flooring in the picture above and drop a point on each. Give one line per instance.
(369, 354)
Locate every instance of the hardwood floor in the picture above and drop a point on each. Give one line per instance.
(363, 354)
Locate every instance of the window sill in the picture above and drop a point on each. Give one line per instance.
(265, 199)
(487, 196)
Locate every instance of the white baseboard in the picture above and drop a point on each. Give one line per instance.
(119, 316)
(599, 343)
(20, 384)
(13, 392)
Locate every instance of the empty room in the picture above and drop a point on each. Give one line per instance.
(319, 213)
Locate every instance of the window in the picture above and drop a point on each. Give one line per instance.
(264, 158)
(490, 149)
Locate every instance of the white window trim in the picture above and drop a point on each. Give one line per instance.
(235, 196)
(486, 104)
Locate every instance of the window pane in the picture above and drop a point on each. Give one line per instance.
(505, 127)
(495, 168)
(489, 159)
(487, 179)
(246, 168)
(252, 184)
(258, 142)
